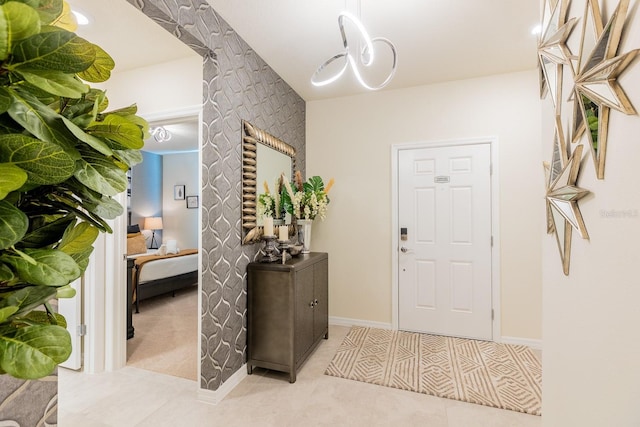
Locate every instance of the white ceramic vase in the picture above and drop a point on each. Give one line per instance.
(304, 234)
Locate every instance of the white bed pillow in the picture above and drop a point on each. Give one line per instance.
(172, 247)
(162, 250)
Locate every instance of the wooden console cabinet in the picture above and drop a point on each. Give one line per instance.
(287, 310)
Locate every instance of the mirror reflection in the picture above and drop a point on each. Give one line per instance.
(265, 159)
(272, 164)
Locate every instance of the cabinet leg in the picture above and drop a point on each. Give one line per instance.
(249, 369)
(326, 335)
(292, 377)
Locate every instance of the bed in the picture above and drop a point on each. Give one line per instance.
(155, 272)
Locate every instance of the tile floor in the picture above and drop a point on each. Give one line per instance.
(134, 397)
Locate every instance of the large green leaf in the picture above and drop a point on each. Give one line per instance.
(46, 234)
(44, 162)
(96, 143)
(28, 298)
(48, 10)
(96, 203)
(6, 275)
(5, 98)
(78, 238)
(7, 312)
(23, 21)
(100, 70)
(4, 36)
(82, 258)
(55, 82)
(54, 50)
(40, 120)
(119, 129)
(128, 157)
(11, 178)
(314, 184)
(66, 19)
(33, 351)
(101, 174)
(13, 225)
(52, 267)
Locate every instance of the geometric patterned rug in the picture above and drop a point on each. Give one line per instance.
(487, 373)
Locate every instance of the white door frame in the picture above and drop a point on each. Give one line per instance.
(495, 223)
(106, 307)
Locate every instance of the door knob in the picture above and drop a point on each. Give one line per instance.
(404, 250)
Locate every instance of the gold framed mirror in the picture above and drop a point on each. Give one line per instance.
(264, 159)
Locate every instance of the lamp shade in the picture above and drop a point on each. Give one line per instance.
(153, 223)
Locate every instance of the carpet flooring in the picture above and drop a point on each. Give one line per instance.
(482, 372)
(166, 335)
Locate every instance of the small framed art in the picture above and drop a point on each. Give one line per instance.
(178, 192)
(192, 202)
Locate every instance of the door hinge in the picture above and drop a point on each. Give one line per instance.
(82, 330)
(493, 314)
(491, 241)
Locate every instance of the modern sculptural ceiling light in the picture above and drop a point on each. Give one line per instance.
(354, 56)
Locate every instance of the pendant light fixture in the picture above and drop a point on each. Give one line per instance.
(355, 57)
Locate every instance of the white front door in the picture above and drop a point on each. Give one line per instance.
(444, 253)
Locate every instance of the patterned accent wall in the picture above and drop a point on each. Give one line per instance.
(238, 85)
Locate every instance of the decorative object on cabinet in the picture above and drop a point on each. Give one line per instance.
(306, 200)
(287, 312)
(192, 202)
(304, 234)
(178, 192)
(153, 223)
(278, 157)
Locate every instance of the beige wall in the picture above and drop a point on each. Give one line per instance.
(159, 88)
(591, 358)
(179, 222)
(350, 139)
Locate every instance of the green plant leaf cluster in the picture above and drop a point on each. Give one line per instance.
(63, 156)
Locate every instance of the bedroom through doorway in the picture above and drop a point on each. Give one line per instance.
(163, 241)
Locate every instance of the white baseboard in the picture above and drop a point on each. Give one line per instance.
(529, 342)
(213, 397)
(344, 321)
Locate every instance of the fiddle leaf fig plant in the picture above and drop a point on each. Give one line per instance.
(63, 157)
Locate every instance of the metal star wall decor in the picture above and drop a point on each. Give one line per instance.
(562, 197)
(559, 159)
(596, 89)
(552, 50)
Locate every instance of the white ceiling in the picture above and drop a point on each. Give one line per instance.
(436, 40)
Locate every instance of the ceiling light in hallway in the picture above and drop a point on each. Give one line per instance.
(355, 56)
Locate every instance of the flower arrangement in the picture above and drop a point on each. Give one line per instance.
(306, 200)
(269, 203)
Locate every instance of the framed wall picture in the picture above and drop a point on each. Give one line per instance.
(178, 192)
(192, 202)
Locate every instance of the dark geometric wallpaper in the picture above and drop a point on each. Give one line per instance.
(237, 85)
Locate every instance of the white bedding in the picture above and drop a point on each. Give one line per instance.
(166, 267)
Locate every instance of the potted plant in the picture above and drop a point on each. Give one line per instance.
(63, 157)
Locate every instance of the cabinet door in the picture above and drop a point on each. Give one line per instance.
(304, 311)
(321, 299)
